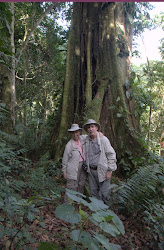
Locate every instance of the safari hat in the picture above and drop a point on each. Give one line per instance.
(91, 121)
(74, 127)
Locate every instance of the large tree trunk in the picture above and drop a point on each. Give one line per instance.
(96, 82)
(5, 96)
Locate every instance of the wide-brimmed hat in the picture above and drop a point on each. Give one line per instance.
(74, 127)
(91, 121)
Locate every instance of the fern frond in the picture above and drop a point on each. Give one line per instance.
(140, 189)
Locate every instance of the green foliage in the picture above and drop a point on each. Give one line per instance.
(140, 188)
(48, 246)
(155, 220)
(5, 21)
(159, 20)
(67, 213)
(44, 181)
(149, 95)
(137, 13)
(142, 194)
(40, 71)
(4, 111)
(15, 214)
(105, 220)
(19, 179)
(15, 211)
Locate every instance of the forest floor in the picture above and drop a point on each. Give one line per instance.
(54, 230)
(57, 231)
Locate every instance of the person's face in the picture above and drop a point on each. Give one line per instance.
(92, 130)
(75, 135)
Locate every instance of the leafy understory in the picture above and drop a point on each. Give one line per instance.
(105, 220)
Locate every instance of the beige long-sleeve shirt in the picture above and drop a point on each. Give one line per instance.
(71, 158)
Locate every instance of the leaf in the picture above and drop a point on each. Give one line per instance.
(118, 223)
(161, 178)
(109, 228)
(74, 192)
(103, 240)
(67, 212)
(45, 237)
(113, 186)
(152, 188)
(112, 107)
(1, 234)
(116, 220)
(161, 245)
(1, 218)
(48, 246)
(1, 204)
(75, 235)
(42, 224)
(119, 115)
(30, 216)
(114, 246)
(118, 99)
(97, 204)
(98, 218)
(73, 195)
(85, 238)
(83, 214)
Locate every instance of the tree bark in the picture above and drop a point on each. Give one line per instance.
(5, 96)
(95, 55)
(13, 65)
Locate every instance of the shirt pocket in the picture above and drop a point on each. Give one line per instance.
(102, 170)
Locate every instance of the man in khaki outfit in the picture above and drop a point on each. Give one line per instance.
(101, 161)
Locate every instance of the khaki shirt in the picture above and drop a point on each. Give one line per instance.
(71, 157)
(107, 160)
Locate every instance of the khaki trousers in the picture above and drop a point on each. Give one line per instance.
(76, 185)
(99, 190)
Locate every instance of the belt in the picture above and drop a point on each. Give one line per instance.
(93, 167)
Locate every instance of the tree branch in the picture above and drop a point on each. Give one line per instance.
(24, 44)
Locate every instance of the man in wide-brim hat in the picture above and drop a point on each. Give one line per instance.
(72, 161)
(101, 161)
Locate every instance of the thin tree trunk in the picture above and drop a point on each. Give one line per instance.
(30, 33)
(5, 78)
(13, 65)
(25, 89)
(15, 60)
(89, 68)
(151, 86)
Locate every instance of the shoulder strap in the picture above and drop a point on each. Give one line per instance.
(81, 155)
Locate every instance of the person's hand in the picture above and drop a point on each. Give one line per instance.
(108, 175)
(65, 175)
